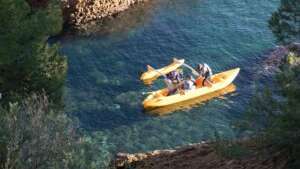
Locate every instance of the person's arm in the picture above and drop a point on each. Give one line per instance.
(193, 79)
(209, 82)
(167, 82)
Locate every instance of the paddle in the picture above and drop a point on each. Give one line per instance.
(192, 69)
(147, 93)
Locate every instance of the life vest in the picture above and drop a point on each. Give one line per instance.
(198, 82)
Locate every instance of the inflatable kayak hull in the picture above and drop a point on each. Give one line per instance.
(195, 102)
(159, 98)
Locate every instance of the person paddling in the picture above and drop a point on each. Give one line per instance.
(173, 80)
(172, 88)
(205, 71)
(189, 83)
(175, 76)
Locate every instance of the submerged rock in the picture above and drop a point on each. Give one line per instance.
(280, 55)
(131, 98)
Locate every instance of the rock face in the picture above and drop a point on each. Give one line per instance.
(83, 12)
(196, 156)
(277, 56)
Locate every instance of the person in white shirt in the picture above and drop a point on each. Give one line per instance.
(205, 71)
(189, 83)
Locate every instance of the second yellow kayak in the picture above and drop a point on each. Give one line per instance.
(152, 73)
(159, 98)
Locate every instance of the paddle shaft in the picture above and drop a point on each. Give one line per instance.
(192, 69)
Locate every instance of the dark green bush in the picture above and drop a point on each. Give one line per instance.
(285, 22)
(27, 63)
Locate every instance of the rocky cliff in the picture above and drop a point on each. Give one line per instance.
(197, 156)
(82, 13)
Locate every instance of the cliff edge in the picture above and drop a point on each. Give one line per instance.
(198, 156)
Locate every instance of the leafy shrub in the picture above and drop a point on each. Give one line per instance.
(32, 135)
(229, 148)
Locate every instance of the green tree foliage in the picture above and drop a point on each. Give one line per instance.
(35, 137)
(285, 22)
(32, 135)
(276, 114)
(27, 63)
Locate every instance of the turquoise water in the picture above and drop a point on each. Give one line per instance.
(103, 87)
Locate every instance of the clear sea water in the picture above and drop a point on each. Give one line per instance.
(103, 88)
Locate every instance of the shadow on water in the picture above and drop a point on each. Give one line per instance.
(105, 106)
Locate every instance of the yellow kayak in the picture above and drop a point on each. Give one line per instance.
(159, 98)
(188, 104)
(152, 73)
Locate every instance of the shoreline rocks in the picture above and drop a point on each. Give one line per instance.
(82, 13)
(277, 56)
(199, 155)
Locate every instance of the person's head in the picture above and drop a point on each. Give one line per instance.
(168, 75)
(200, 66)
